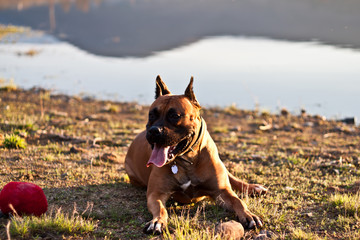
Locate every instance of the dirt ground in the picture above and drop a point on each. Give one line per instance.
(76, 148)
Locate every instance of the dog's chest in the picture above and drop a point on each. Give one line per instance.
(185, 179)
(185, 185)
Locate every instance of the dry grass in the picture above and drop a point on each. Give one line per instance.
(76, 148)
(55, 222)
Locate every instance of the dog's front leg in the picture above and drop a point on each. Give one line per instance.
(229, 200)
(156, 205)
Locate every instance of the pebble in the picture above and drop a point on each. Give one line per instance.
(111, 157)
(308, 124)
(289, 188)
(351, 120)
(74, 149)
(284, 112)
(309, 214)
(261, 237)
(58, 114)
(230, 230)
(356, 161)
(235, 129)
(264, 235)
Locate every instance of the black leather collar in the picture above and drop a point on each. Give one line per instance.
(195, 144)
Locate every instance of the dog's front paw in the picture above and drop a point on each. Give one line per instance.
(155, 226)
(249, 220)
(257, 189)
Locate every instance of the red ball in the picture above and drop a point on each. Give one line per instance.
(26, 199)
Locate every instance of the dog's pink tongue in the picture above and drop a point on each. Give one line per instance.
(158, 156)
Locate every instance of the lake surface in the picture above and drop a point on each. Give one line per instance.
(271, 54)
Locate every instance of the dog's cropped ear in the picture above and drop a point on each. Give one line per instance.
(161, 88)
(189, 93)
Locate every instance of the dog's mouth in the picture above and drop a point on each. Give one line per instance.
(161, 155)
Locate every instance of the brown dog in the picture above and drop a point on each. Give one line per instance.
(176, 157)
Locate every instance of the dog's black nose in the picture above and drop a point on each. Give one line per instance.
(155, 131)
(154, 134)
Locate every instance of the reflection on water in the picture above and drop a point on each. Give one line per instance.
(23, 5)
(321, 79)
(139, 28)
(20, 5)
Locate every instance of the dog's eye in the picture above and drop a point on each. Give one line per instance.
(153, 115)
(174, 116)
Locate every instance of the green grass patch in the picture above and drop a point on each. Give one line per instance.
(49, 157)
(7, 85)
(14, 141)
(185, 226)
(220, 129)
(30, 227)
(299, 234)
(348, 204)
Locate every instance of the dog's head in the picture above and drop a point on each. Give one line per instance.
(173, 123)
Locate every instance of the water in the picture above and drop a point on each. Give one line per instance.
(238, 51)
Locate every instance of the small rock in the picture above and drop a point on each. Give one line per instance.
(356, 161)
(265, 127)
(261, 237)
(267, 233)
(257, 157)
(309, 214)
(264, 235)
(232, 134)
(318, 117)
(111, 157)
(138, 107)
(308, 124)
(344, 129)
(296, 126)
(64, 176)
(351, 120)
(230, 230)
(94, 117)
(235, 129)
(303, 112)
(110, 108)
(276, 127)
(23, 134)
(333, 189)
(58, 114)
(74, 149)
(287, 128)
(284, 112)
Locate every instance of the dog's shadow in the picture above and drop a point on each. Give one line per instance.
(120, 209)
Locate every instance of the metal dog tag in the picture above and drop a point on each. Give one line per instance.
(174, 169)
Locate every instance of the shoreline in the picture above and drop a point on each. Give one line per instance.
(317, 94)
(9, 83)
